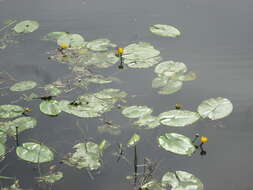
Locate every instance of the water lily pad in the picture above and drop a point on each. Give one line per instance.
(102, 44)
(14, 186)
(10, 111)
(152, 185)
(23, 86)
(164, 30)
(103, 145)
(87, 156)
(51, 178)
(112, 129)
(26, 26)
(23, 123)
(53, 90)
(185, 77)
(159, 82)
(74, 41)
(171, 87)
(181, 180)
(176, 143)
(53, 36)
(215, 108)
(3, 136)
(2, 150)
(136, 111)
(170, 68)
(178, 118)
(133, 140)
(50, 107)
(148, 121)
(141, 55)
(34, 152)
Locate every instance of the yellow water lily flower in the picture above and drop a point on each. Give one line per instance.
(204, 139)
(64, 46)
(120, 51)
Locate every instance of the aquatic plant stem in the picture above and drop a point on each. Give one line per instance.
(135, 164)
(17, 137)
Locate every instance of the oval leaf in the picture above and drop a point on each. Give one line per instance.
(10, 111)
(136, 111)
(176, 143)
(23, 86)
(35, 153)
(133, 140)
(164, 30)
(26, 26)
(50, 107)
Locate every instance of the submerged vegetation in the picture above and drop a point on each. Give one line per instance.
(84, 58)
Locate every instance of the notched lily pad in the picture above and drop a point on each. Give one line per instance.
(10, 111)
(148, 121)
(165, 30)
(74, 41)
(170, 68)
(112, 129)
(53, 36)
(176, 143)
(178, 118)
(215, 108)
(23, 86)
(102, 44)
(136, 111)
(50, 107)
(181, 180)
(26, 26)
(34, 152)
(51, 178)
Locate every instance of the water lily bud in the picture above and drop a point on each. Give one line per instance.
(64, 46)
(204, 139)
(178, 106)
(120, 51)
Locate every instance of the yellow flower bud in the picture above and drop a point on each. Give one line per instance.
(120, 51)
(204, 139)
(64, 46)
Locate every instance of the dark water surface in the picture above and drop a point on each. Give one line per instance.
(216, 43)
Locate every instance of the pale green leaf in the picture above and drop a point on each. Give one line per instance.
(23, 86)
(51, 178)
(164, 30)
(133, 140)
(50, 107)
(26, 26)
(10, 111)
(136, 111)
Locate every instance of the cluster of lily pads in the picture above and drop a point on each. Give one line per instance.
(82, 56)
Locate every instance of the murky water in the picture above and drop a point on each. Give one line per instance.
(216, 43)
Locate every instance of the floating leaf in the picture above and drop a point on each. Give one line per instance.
(164, 30)
(133, 140)
(136, 111)
(181, 180)
(170, 68)
(53, 36)
(103, 145)
(140, 55)
(215, 108)
(178, 118)
(23, 123)
(23, 86)
(3, 136)
(14, 186)
(87, 156)
(51, 178)
(187, 77)
(35, 153)
(100, 45)
(152, 185)
(10, 111)
(159, 82)
(171, 87)
(26, 26)
(112, 129)
(148, 121)
(176, 143)
(53, 91)
(2, 150)
(75, 41)
(50, 107)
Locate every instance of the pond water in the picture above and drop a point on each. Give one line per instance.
(215, 43)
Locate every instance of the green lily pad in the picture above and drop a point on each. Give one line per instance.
(34, 152)
(178, 118)
(164, 30)
(10, 111)
(51, 178)
(103, 145)
(181, 180)
(2, 150)
(148, 121)
(53, 36)
(136, 111)
(159, 82)
(133, 140)
(102, 44)
(176, 143)
(152, 185)
(50, 107)
(3, 136)
(87, 156)
(23, 86)
(215, 108)
(14, 186)
(170, 68)
(53, 90)
(23, 123)
(171, 87)
(141, 55)
(74, 41)
(26, 26)
(186, 77)
(112, 129)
